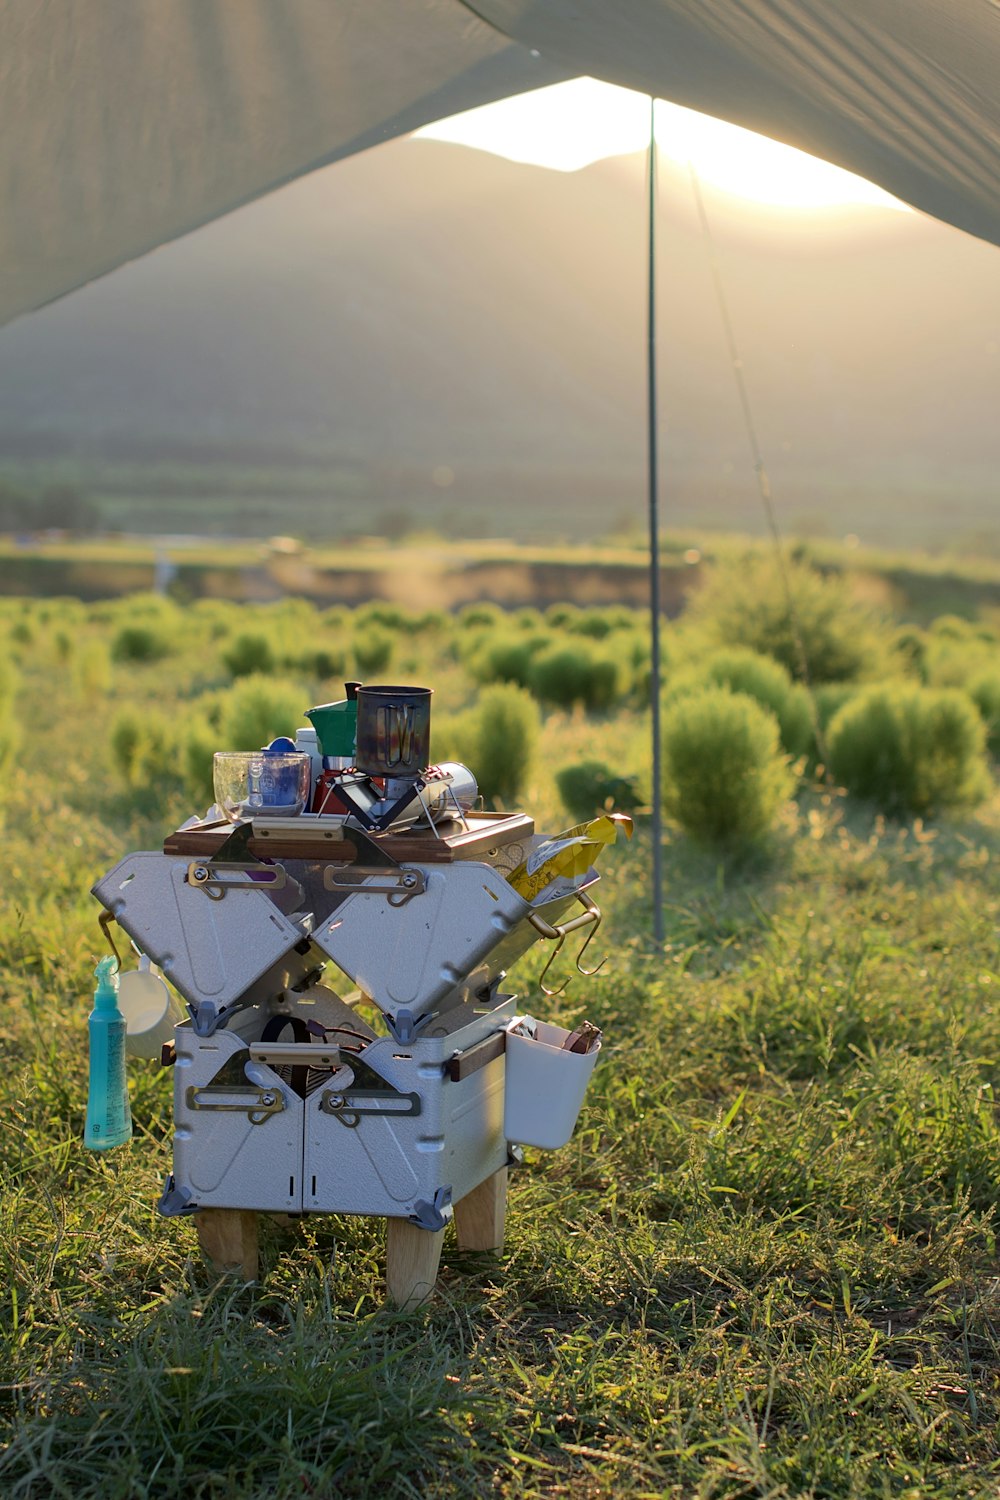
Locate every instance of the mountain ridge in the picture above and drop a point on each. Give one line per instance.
(441, 330)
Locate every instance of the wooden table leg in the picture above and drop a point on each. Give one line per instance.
(480, 1215)
(228, 1239)
(412, 1257)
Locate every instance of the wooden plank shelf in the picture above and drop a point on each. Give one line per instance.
(310, 839)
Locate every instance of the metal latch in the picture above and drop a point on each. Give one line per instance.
(257, 1106)
(401, 883)
(223, 875)
(345, 1108)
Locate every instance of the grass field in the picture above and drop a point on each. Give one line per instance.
(766, 1265)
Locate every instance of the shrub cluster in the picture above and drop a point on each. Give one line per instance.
(761, 678)
(496, 738)
(910, 749)
(140, 644)
(724, 774)
(735, 717)
(249, 652)
(790, 611)
(372, 651)
(591, 787)
(257, 709)
(984, 690)
(144, 746)
(560, 670)
(576, 673)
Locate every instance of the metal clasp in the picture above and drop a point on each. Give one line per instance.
(258, 1106)
(218, 877)
(401, 883)
(344, 1108)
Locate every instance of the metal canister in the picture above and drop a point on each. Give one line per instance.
(394, 731)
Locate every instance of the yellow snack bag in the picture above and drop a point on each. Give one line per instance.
(567, 855)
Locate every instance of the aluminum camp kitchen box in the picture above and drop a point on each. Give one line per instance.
(286, 1098)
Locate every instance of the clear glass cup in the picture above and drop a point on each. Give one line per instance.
(260, 783)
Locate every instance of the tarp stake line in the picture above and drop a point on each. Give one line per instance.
(654, 546)
(763, 480)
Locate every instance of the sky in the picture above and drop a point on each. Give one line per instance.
(570, 125)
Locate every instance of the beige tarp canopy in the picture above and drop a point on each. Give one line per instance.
(125, 123)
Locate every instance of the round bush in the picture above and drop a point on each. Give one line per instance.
(506, 657)
(770, 684)
(909, 643)
(830, 698)
(474, 616)
(143, 748)
(125, 741)
(385, 617)
(953, 628)
(198, 747)
(258, 709)
(590, 787)
(746, 604)
(373, 651)
(562, 616)
(318, 661)
(910, 749)
(576, 673)
(248, 653)
(595, 623)
(506, 731)
(984, 691)
(140, 643)
(724, 774)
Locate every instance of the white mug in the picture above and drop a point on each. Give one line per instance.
(151, 1011)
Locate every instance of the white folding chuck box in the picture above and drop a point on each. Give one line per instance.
(344, 1049)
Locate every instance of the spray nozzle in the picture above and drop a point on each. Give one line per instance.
(107, 981)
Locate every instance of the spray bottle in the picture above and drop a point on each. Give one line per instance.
(109, 1118)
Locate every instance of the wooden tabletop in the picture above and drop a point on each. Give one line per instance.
(322, 839)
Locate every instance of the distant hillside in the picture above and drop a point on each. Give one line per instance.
(427, 332)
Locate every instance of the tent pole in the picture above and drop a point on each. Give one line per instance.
(654, 548)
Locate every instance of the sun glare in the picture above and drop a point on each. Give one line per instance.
(570, 125)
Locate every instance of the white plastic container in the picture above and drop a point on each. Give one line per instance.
(151, 1011)
(307, 741)
(545, 1086)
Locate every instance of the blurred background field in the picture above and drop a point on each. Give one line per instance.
(766, 1265)
(427, 571)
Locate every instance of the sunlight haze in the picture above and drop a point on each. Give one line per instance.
(570, 125)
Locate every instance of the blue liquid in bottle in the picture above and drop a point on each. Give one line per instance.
(109, 1118)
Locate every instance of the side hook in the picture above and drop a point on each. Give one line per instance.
(551, 959)
(591, 907)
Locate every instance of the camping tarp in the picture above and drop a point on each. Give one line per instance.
(125, 123)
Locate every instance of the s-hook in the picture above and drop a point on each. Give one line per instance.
(590, 917)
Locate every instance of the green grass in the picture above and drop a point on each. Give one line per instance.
(766, 1265)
